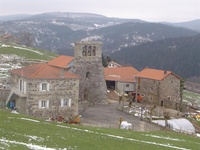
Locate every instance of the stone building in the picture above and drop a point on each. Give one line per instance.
(87, 63)
(44, 91)
(159, 87)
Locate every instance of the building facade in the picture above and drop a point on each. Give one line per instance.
(159, 87)
(121, 79)
(44, 91)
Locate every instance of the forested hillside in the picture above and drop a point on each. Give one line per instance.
(180, 55)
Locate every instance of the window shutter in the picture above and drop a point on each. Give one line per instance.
(47, 103)
(62, 102)
(24, 87)
(69, 103)
(40, 103)
(47, 86)
(40, 88)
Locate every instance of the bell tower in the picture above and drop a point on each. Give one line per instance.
(88, 64)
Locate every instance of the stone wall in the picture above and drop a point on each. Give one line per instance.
(170, 92)
(58, 89)
(163, 93)
(149, 89)
(3, 96)
(88, 64)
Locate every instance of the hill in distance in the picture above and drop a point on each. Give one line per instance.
(58, 31)
(180, 55)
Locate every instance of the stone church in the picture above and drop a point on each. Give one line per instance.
(54, 88)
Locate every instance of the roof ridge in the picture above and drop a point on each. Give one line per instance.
(38, 70)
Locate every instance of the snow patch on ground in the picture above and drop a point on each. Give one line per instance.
(29, 119)
(162, 137)
(29, 145)
(35, 138)
(27, 49)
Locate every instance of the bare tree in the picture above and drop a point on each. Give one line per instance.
(26, 38)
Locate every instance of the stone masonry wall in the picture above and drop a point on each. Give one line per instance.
(165, 92)
(170, 91)
(58, 89)
(149, 90)
(88, 65)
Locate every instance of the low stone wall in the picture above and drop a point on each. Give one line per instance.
(3, 96)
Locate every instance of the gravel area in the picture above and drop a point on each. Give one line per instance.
(108, 115)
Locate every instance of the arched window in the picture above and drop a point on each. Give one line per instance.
(84, 51)
(162, 103)
(94, 51)
(89, 51)
(87, 75)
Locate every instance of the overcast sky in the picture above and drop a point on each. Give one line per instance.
(148, 10)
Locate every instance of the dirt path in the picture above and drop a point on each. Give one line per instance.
(107, 115)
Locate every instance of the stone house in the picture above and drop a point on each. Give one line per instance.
(44, 91)
(121, 79)
(159, 87)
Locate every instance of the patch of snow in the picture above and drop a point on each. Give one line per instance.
(29, 119)
(29, 145)
(14, 112)
(36, 138)
(27, 49)
(162, 137)
(198, 135)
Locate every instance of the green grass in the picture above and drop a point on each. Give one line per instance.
(16, 133)
(191, 96)
(27, 52)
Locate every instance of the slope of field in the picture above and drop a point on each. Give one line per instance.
(22, 132)
(25, 52)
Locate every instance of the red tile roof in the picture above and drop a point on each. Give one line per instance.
(154, 74)
(61, 61)
(125, 74)
(43, 71)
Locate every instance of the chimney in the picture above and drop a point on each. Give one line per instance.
(165, 72)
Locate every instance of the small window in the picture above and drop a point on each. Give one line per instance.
(87, 74)
(169, 98)
(172, 81)
(44, 87)
(151, 98)
(127, 85)
(22, 86)
(162, 103)
(44, 104)
(65, 102)
(151, 89)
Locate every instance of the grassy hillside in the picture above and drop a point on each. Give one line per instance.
(192, 97)
(20, 132)
(26, 52)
